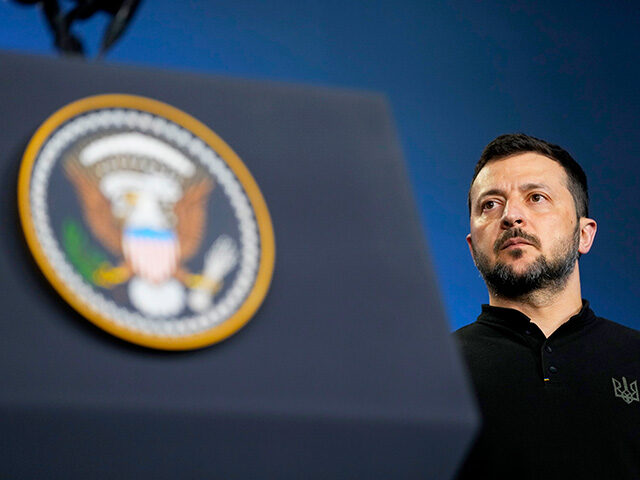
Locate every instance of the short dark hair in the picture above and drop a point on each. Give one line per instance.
(514, 143)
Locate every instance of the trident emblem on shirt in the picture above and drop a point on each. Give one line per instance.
(627, 392)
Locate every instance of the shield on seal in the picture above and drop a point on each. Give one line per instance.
(151, 254)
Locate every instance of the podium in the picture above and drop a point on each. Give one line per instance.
(345, 371)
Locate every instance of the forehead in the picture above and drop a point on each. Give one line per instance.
(517, 170)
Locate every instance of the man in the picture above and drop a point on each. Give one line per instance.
(557, 386)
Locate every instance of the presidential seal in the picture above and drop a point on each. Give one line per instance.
(146, 222)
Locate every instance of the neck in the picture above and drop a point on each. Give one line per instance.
(547, 308)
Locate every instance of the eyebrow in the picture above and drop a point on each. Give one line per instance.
(493, 191)
(534, 186)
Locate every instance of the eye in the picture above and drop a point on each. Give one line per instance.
(488, 205)
(537, 198)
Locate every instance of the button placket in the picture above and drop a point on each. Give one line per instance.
(548, 365)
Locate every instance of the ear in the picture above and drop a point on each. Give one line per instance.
(588, 228)
(470, 247)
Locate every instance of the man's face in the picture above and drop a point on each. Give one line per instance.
(524, 232)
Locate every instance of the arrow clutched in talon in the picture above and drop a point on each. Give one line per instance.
(221, 258)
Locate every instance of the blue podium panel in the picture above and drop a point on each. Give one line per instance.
(345, 371)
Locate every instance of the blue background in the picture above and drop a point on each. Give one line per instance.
(456, 74)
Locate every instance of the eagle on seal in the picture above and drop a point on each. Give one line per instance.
(146, 202)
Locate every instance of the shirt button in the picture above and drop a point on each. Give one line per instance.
(548, 349)
(553, 369)
(527, 331)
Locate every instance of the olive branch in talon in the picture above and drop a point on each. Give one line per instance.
(108, 276)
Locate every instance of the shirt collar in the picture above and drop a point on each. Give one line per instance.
(516, 320)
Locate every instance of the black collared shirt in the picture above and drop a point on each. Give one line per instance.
(563, 407)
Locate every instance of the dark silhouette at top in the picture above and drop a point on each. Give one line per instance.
(61, 22)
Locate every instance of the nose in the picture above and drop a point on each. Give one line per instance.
(512, 215)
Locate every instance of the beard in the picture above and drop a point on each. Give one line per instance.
(550, 275)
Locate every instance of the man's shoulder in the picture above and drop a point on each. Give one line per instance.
(466, 332)
(614, 331)
(474, 330)
(473, 336)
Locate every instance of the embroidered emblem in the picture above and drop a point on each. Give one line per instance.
(146, 222)
(626, 391)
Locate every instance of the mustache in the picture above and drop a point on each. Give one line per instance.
(512, 233)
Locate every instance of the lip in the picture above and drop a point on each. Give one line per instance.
(514, 242)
